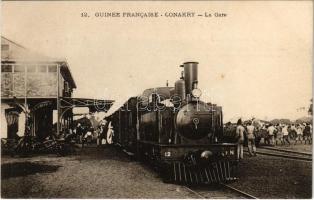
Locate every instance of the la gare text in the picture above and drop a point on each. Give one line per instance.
(153, 14)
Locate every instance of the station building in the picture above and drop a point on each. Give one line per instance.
(39, 87)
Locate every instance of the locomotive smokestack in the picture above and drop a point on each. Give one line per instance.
(190, 76)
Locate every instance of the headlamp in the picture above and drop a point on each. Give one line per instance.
(196, 93)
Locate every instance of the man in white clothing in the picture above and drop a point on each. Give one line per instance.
(285, 133)
(271, 129)
(240, 136)
(251, 139)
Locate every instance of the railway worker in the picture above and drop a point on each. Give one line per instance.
(240, 136)
(271, 130)
(251, 139)
(285, 133)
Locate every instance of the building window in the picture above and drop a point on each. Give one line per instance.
(52, 68)
(42, 68)
(19, 68)
(4, 47)
(6, 68)
(31, 68)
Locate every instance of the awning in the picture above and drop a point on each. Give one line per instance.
(92, 104)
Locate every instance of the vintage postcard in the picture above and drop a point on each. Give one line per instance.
(156, 99)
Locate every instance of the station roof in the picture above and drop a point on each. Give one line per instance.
(94, 104)
(65, 103)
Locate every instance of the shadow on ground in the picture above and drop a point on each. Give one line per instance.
(17, 169)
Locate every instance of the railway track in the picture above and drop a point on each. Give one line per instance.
(271, 151)
(221, 191)
(286, 150)
(244, 194)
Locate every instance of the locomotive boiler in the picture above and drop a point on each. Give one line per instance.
(177, 132)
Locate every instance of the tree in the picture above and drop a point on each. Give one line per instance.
(310, 111)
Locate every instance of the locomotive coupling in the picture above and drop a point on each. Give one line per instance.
(206, 154)
(198, 157)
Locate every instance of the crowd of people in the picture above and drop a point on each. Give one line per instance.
(86, 135)
(279, 134)
(282, 134)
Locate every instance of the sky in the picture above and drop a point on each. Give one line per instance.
(256, 61)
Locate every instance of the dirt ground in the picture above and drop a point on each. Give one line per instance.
(94, 173)
(273, 177)
(109, 173)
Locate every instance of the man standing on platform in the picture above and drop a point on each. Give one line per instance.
(251, 139)
(240, 136)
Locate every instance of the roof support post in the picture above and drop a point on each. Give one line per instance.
(58, 99)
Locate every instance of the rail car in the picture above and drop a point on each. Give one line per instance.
(176, 132)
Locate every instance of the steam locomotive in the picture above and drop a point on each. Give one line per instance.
(176, 132)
